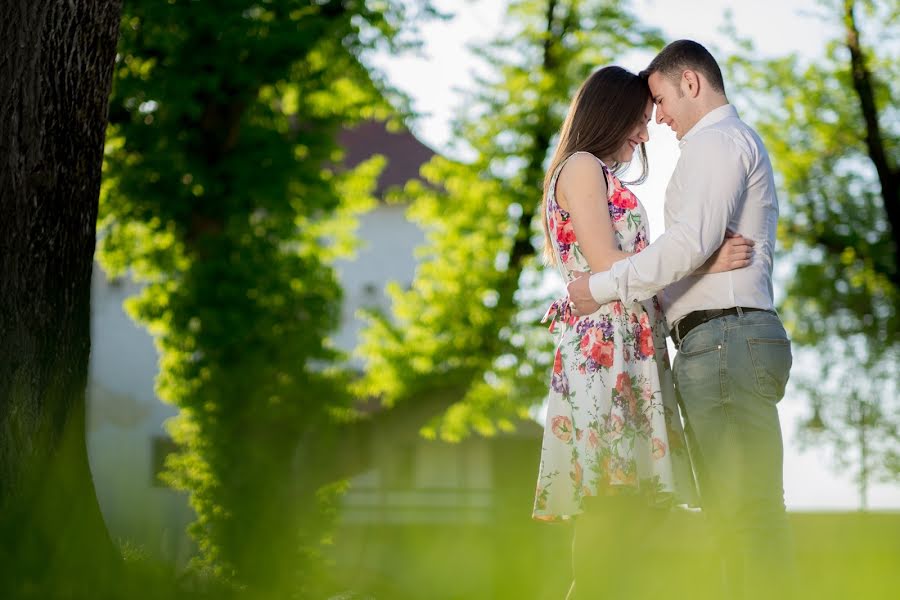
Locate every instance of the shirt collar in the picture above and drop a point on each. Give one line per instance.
(710, 118)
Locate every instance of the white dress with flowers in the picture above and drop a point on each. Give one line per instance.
(613, 424)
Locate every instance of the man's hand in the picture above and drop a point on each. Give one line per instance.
(580, 294)
(736, 252)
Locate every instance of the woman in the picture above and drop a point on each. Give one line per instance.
(613, 447)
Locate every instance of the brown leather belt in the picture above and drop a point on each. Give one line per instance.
(699, 317)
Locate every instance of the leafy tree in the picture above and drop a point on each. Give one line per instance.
(834, 139)
(222, 196)
(464, 336)
(56, 72)
(857, 415)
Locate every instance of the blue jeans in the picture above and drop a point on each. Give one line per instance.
(730, 373)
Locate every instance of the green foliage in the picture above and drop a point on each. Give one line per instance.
(833, 213)
(843, 298)
(859, 421)
(221, 195)
(467, 328)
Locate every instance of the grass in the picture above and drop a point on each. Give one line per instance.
(840, 556)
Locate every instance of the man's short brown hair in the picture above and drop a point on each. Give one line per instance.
(680, 55)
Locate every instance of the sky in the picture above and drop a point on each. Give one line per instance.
(437, 82)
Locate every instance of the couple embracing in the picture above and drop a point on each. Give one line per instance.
(615, 454)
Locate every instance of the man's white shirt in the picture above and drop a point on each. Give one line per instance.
(723, 180)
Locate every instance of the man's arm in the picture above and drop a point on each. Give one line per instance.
(712, 173)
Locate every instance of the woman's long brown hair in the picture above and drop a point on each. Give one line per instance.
(603, 113)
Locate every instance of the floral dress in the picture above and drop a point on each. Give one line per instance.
(613, 424)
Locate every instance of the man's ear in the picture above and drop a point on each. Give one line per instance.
(690, 83)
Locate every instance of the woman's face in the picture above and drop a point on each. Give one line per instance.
(636, 137)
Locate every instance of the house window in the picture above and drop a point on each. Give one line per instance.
(162, 447)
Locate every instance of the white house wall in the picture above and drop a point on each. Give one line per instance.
(124, 418)
(385, 255)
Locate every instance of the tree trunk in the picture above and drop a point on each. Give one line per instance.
(56, 72)
(888, 175)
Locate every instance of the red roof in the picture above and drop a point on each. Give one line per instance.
(405, 154)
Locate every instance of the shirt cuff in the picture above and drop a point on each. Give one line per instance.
(603, 287)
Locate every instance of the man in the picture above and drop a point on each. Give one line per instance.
(733, 355)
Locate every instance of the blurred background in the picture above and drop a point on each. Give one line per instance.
(317, 369)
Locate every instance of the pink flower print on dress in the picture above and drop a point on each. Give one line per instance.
(622, 197)
(558, 381)
(646, 344)
(643, 336)
(647, 390)
(659, 448)
(594, 347)
(644, 321)
(603, 353)
(640, 243)
(617, 427)
(565, 233)
(561, 426)
(626, 392)
(577, 474)
(621, 473)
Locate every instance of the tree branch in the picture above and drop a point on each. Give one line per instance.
(888, 176)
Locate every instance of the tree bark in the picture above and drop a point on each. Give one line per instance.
(56, 71)
(888, 175)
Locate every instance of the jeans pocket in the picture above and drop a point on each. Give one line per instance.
(772, 361)
(698, 376)
(700, 342)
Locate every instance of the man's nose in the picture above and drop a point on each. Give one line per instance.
(659, 115)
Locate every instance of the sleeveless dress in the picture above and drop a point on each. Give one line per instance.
(613, 424)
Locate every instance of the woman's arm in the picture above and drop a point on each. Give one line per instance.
(582, 191)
